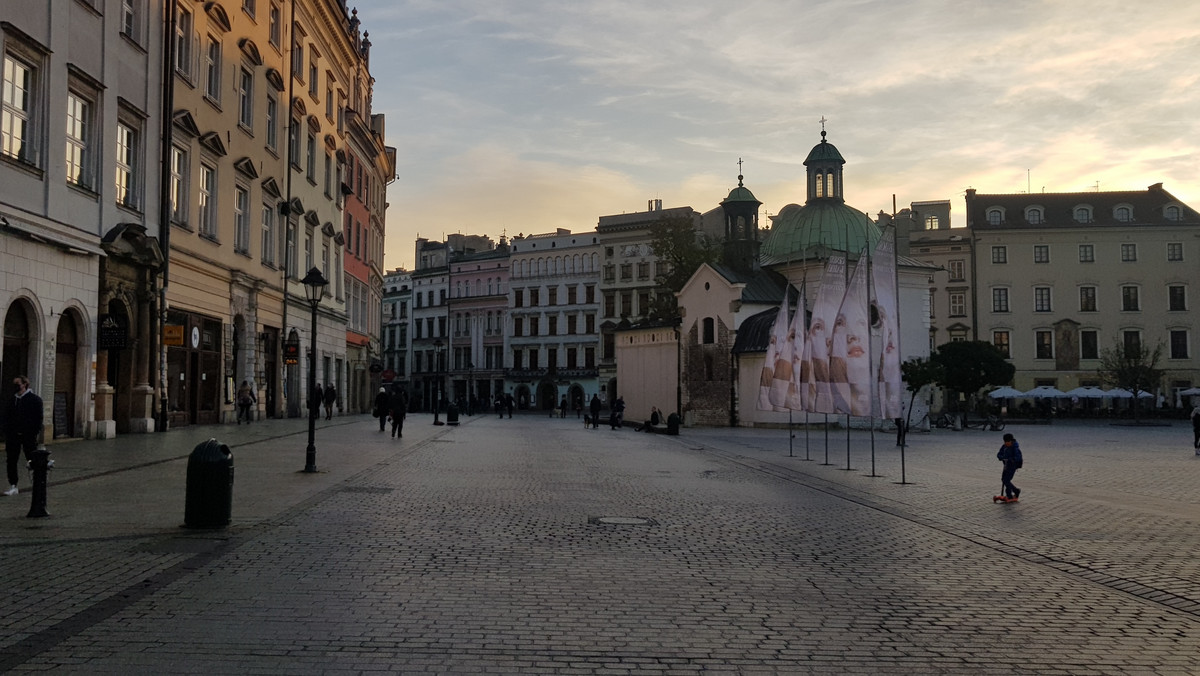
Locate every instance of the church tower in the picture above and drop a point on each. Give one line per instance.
(741, 229)
(824, 164)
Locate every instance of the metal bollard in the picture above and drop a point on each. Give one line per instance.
(40, 463)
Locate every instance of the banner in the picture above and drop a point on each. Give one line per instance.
(768, 369)
(829, 297)
(781, 375)
(849, 351)
(883, 278)
(797, 388)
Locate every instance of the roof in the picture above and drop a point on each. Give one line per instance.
(755, 332)
(817, 228)
(740, 194)
(1058, 209)
(763, 286)
(824, 152)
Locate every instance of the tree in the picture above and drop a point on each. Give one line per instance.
(681, 250)
(918, 372)
(971, 365)
(1131, 366)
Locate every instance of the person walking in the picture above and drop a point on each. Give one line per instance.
(1196, 426)
(562, 407)
(23, 423)
(330, 398)
(509, 403)
(382, 400)
(314, 401)
(1010, 455)
(398, 407)
(616, 417)
(594, 407)
(245, 399)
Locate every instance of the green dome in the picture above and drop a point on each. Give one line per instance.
(824, 152)
(740, 194)
(817, 228)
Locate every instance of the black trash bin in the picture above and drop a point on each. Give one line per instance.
(209, 502)
(452, 414)
(673, 423)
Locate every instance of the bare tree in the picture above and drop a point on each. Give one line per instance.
(1131, 366)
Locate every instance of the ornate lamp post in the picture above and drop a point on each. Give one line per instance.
(314, 286)
(437, 379)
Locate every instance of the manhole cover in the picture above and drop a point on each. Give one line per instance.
(622, 520)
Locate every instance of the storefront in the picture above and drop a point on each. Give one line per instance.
(194, 371)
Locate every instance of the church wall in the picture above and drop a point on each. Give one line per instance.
(647, 370)
(707, 376)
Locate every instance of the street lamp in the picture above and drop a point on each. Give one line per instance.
(437, 379)
(470, 388)
(314, 286)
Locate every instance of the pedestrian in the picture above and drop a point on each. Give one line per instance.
(315, 400)
(398, 407)
(616, 417)
(594, 407)
(499, 406)
(1010, 455)
(245, 399)
(330, 398)
(562, 407)
(578, 406)
(1196, 424)
(648, 426)
(901, 431)
(23, 423)
(381, 407)
(509, 403)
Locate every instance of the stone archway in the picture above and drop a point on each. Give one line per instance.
(67, 363)
(20, 332)
(547, 398)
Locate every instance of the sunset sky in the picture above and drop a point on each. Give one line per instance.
(526, 116)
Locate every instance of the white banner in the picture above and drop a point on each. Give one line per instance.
(849, 352)
(768, 369)
(883, 277)
(829, 297)
(795, 401)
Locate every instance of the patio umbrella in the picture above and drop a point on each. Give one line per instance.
(1045, 392)
(1005, 392)
(1118, 393)
(1087, 392)
(1190, 392)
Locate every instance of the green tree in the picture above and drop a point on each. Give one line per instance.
(970, 365)
(1133, 367)
(681, 250)
(918, 372)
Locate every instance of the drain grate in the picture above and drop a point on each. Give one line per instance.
(622, 521)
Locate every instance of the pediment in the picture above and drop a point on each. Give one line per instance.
(275, 79)
(314, 125)
(217, 15)
(298, 107)
(245, 167)
(271, 187)
(213, 143)
(312, 219)
(330, 142)
(184, 122)
(327, 229)
(340, 238)
(250, 50)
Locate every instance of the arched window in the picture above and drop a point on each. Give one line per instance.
(709, 331)
(820, 187)
(1034, 215)
(1123, 213)
(995, 216)
(1082, 214)
(1172, 213)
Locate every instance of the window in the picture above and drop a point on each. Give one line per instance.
(212, 69)
(1089, 345)
(610, 304)
(1041, 253)
(127, 193)
(589, 324)
(329, 97)
(79, 140)
(517, 354)
(1128, 253)
(183, 43)
(995, 216)
(931, 222)
(294, 143)
(1179, 344)
(246, 99)
(1176, 298)
(626, 272)
(534, 326)
(275, 31)
(1174, 251)
(572, 294)
(20, 81)
(248, 6)
(268, 234)
(1172, 213)
(1034, 215)
(709, 332)
(1044, 344)
(1087, 253)
(610, 273)
(590, 294)
(552, 328)
(1129, 299)
(589, 357)
(533, 297)
(552, 296)
(272, 121)
(999, 255)
(1041, 299)
(241, 220)
(1123, 214)
(958, 270)
(1083, 214)
(207, 204)
(328, 176)
(297, 53)
(958, 304)
(643, 270)
(518, 297)
(129, 18)
(1087, 299)
(1001, 340)
(179, 189)
(1133, 343)
(310, 147)
(999, 300)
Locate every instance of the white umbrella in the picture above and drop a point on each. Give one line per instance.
(1045, 392)
(1143, 394)
(1118, 393)
(1190, 392)
(1005, 392)
(1087, 392)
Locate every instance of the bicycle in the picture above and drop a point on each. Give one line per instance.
(991, 423)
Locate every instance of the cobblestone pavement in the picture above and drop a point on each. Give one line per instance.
(532, 545)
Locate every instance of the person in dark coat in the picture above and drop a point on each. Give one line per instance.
(500, 406)
(1196, 425)
(594, 407)
(509, 403)
(562, 407)
(315, 400)
(245, 399)
(330, 398)
(1010, 455)
(382, 401)
(616, 418)
(23, 418)
(398, 406)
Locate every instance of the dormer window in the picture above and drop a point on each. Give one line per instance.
(995, 216)
(1123, 213)
(1172, 213)
(931, 222)
(1082, 214)
(1034, 215)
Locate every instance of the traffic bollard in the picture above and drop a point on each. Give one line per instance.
(40, 463)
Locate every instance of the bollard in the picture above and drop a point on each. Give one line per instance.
(673, 424)
(40, 464)
(208, 501)
(452, 414)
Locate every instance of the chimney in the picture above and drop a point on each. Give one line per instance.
(654, 205)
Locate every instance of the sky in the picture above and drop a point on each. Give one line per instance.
(524, 116)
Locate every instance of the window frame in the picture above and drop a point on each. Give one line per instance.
(127, 162)
(1087, 299)
(1130, 298)
(1087, 253)
(246, 98)
(1128, 252)
(1089, 348)
(1176, 292)
(1002, 340)
(29, 112)
(241, 218)
(206, 203)
(80, 137)
(1041, 253)
(1000, 300)
(268, 230)
(1043, 344)
(1174, 252)
(1178, 344)
(999, 254)
(180, 186)
(214, 56)
(1043, 299)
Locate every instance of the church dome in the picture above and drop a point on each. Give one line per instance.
(741, 194)
(816, 229)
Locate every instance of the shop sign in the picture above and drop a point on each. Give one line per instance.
(113, 334)
(173, 335)
(291, 352)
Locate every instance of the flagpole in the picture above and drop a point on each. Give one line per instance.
(826, 441)
(875, 399)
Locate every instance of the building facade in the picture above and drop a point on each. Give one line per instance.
(1061, 277)
(478, 312)
(397, 304)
